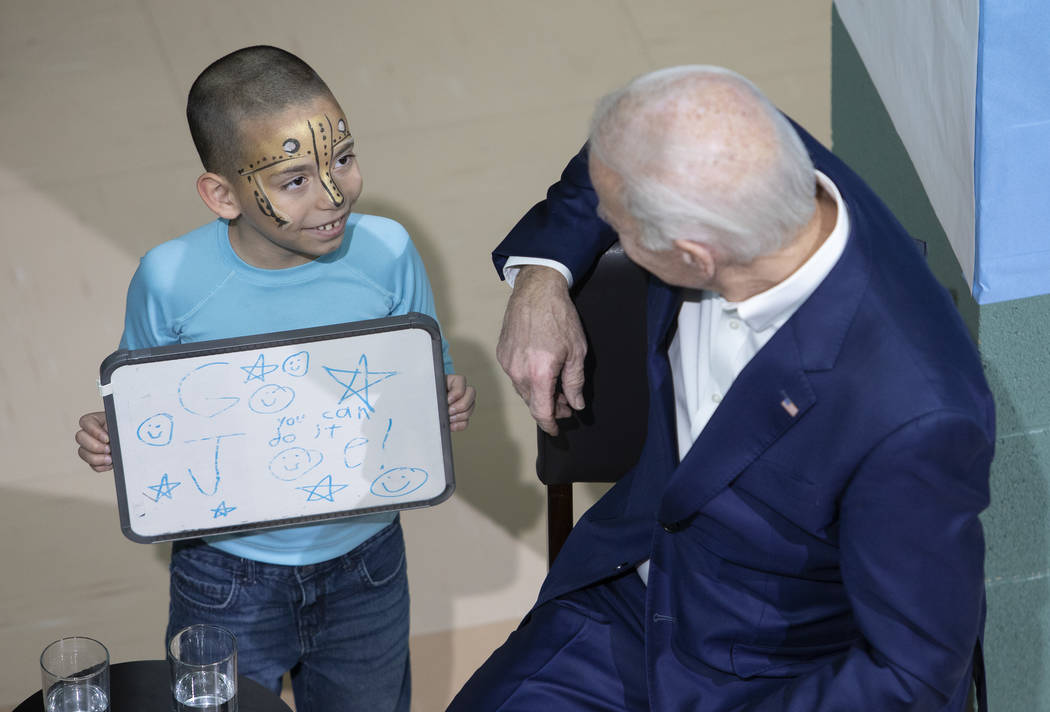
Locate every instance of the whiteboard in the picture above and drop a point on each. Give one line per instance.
(278, 429)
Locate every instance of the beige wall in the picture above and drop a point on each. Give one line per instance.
(464, 111)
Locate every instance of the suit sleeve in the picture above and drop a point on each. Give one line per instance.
(912, 553)
(564, 227)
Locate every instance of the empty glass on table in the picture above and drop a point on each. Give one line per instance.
(74, 673)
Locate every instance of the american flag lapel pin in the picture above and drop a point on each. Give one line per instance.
(788, 405)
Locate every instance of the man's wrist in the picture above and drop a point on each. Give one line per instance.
(540, 279)
(514, 265)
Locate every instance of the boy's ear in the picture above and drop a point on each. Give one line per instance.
(218, 195)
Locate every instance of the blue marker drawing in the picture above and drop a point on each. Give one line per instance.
(200, 489)
(324, 489)
(164, 488)
(222, 510)
(271, 399)
(294, 462)
(156, 430)
(389, 424)
(282, 437)
(297, 364)
(218, 443)
(369, 380)
(399, 481)
(259, 370)
(350, 457)
(197, 380)
(330, 428)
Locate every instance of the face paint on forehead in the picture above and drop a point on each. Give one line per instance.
(318, 138)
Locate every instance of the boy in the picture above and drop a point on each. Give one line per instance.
(327, 601)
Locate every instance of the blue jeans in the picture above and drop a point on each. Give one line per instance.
(340, 626)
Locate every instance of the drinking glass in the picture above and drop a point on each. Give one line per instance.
(75, 675)
(203, 663)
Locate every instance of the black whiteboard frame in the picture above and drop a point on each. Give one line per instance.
(119, 359)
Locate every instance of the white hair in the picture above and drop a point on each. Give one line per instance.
(704, 155)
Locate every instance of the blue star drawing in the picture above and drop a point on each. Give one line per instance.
(164, 488)
(361, 390)
(259, 370)
(314, 493)
(222, 510)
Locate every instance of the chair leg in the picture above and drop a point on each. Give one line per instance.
(559, 518)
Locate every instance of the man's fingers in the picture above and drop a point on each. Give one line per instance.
(572, 379)
(547, 425)
(538, 394)
(562, 409)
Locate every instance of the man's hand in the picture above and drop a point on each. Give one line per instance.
(460, 401)
(93, 439)
(542, 346)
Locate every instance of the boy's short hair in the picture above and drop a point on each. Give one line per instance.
(248, 83)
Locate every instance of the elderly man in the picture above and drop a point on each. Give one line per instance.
(801, 531)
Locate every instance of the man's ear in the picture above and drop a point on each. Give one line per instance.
(218, 195)
(698, 255)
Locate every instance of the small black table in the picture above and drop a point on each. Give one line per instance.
(145, 686)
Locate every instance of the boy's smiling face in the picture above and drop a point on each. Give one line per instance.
(295, 186)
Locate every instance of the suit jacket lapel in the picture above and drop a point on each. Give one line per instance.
(769, 396)
(773, 392)
(661, 448)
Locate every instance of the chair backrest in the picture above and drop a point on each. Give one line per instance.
(603, 441)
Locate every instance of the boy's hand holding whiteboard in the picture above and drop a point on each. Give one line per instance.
(278, 429)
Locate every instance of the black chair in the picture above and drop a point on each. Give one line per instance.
(603, 441)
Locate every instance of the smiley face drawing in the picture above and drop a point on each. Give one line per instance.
(294, 462)
(271, 398)
(399, 481)
(156, 430)
(297, 364)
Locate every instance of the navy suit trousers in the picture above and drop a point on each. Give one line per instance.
(581, 652)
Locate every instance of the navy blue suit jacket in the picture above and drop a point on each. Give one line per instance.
(830, 559)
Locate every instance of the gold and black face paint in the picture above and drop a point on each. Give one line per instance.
(319, 139)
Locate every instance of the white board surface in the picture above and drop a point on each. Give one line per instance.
(285, 428)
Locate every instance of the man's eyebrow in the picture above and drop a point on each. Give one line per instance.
(339, 143)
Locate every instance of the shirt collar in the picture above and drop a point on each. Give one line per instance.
(774, 306)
